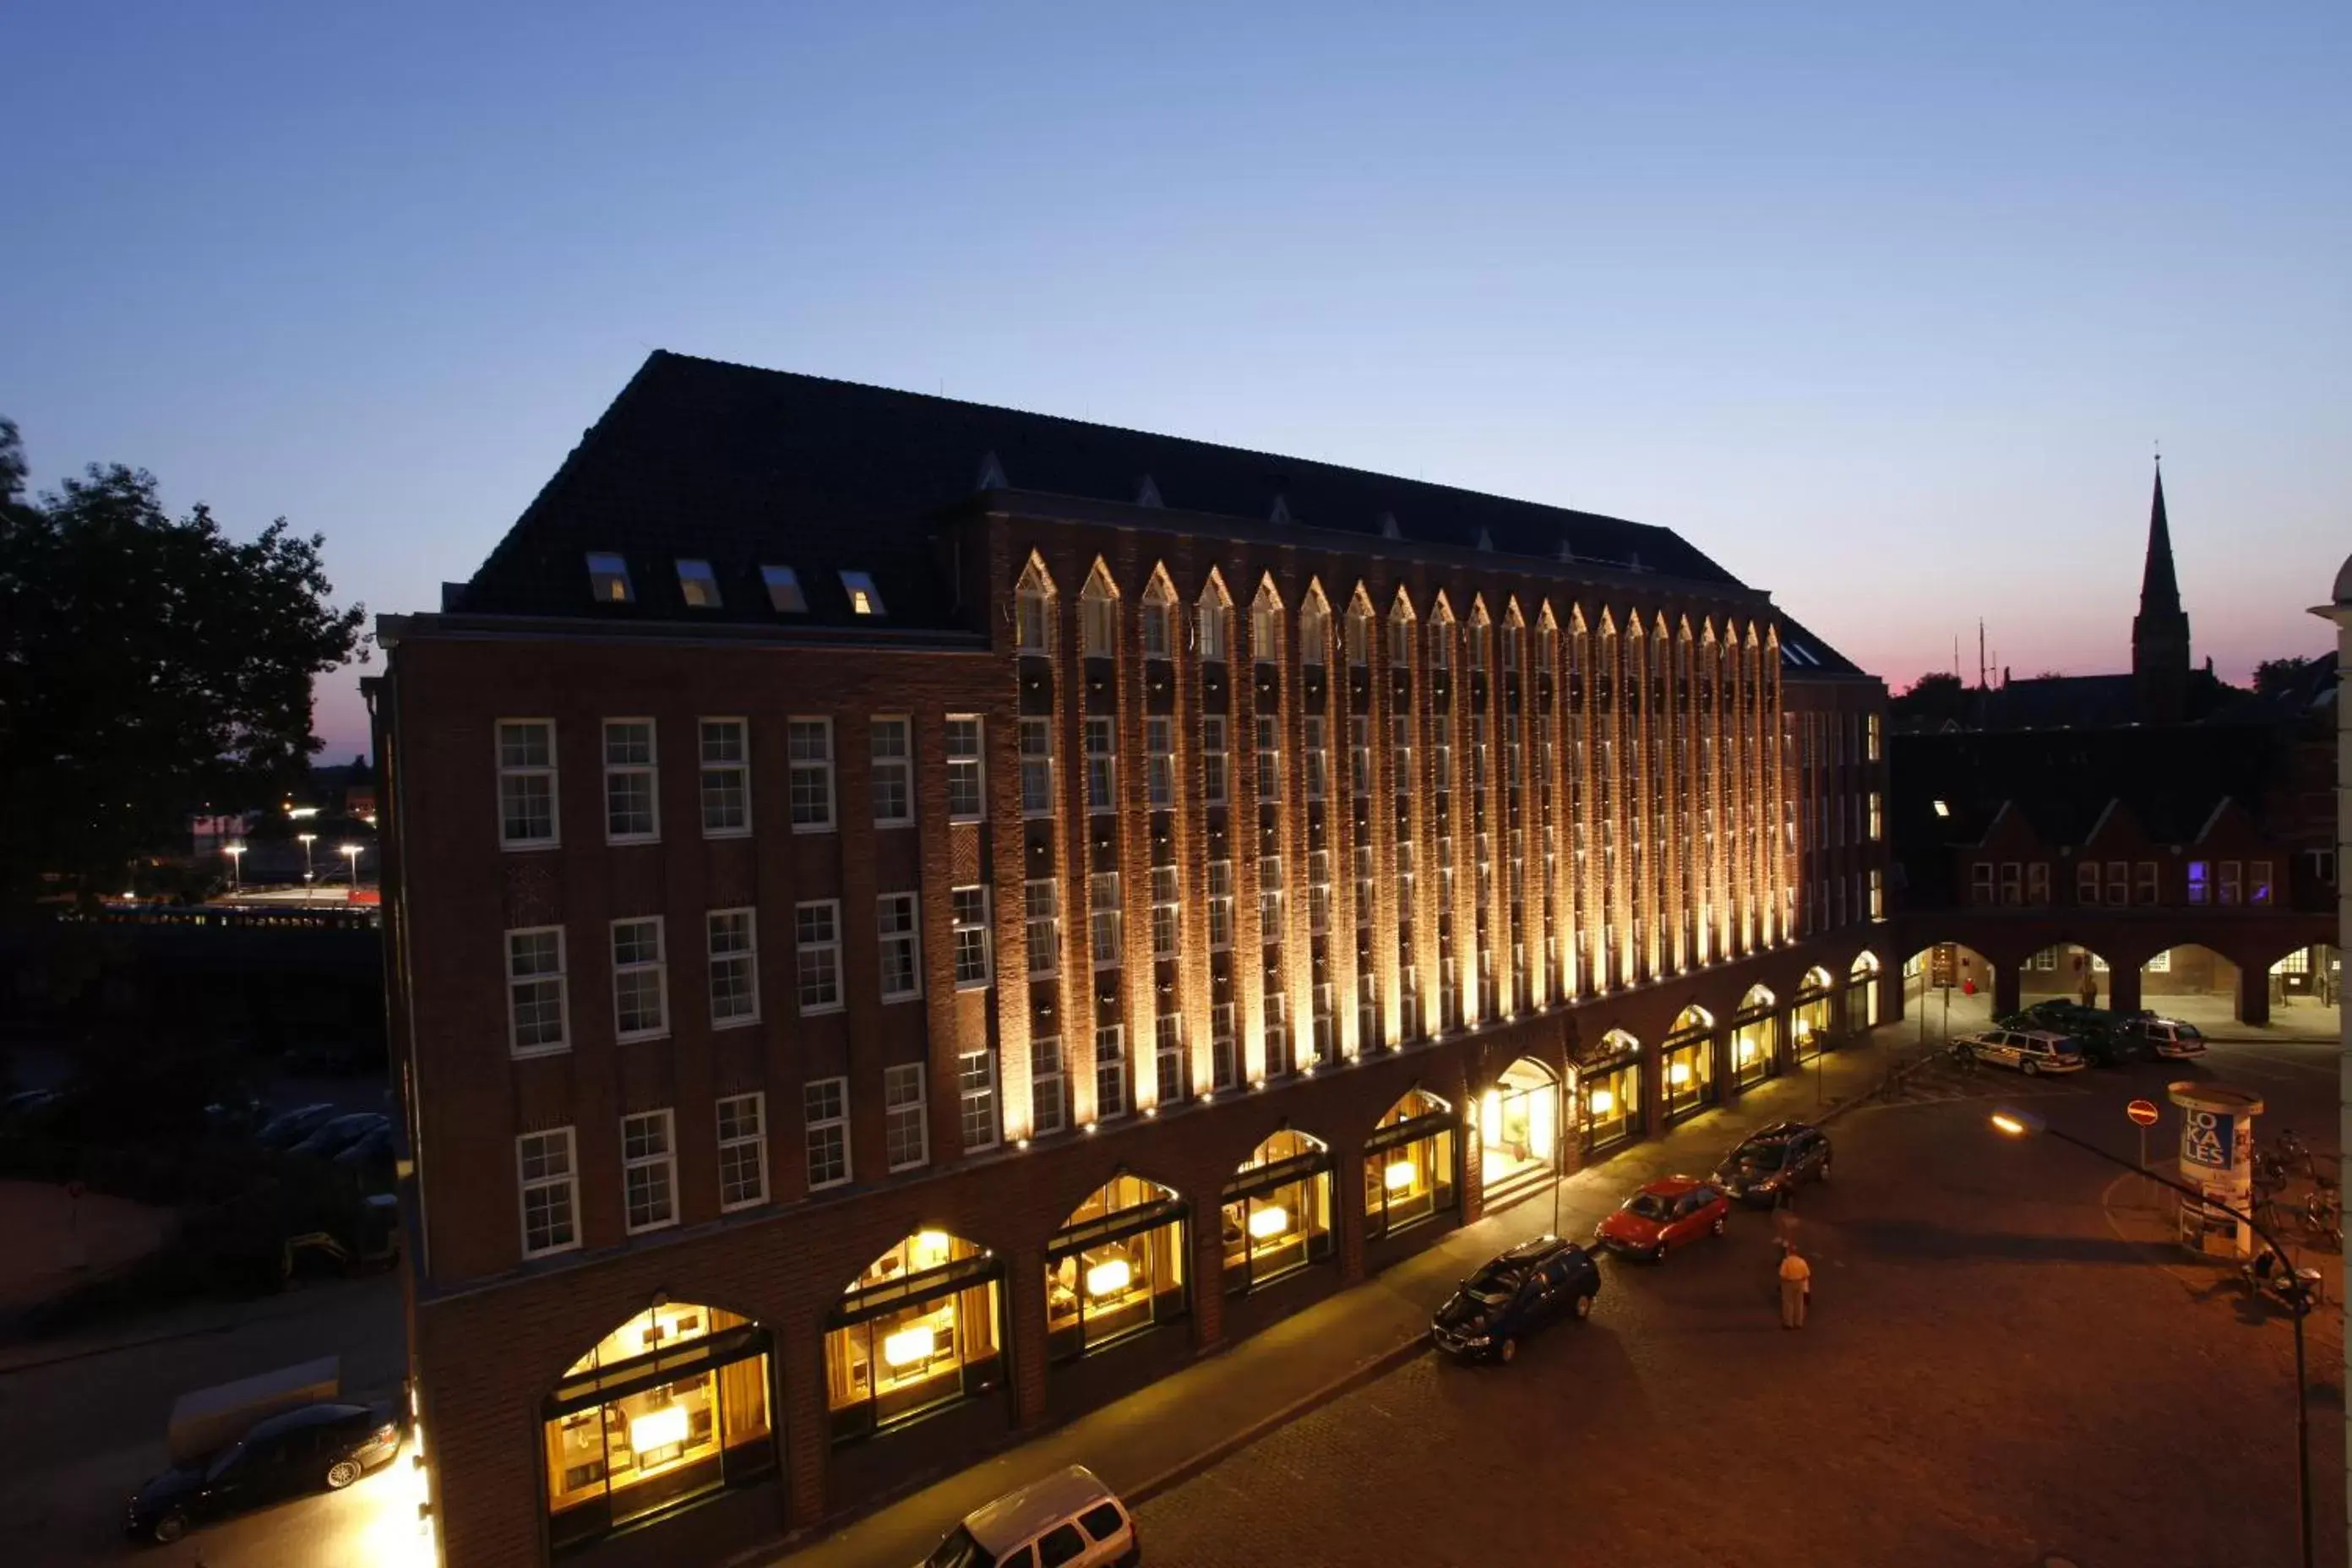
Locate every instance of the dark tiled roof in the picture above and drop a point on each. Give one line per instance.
(2062, 702)
(744, 466)
(1803, 654)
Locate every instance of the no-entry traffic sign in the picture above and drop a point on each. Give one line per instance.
(2142, 1111)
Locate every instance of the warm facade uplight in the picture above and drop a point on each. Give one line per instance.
(2016, 1124)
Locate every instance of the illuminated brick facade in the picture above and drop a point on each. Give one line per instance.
(1098, 837)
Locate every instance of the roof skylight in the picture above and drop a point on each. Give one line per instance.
(608, 578)
(785, 594)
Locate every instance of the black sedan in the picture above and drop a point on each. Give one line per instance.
(317, 1447)
(1775, 1159)
(1513, 1294)
(330, 1139)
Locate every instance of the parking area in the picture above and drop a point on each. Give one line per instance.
(2000, 1367)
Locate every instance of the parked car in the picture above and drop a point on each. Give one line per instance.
(313, 1447)
(1664, 1214)
(1069, 1519)
(1774, 1159)
(332, 1137)
(2167, 1037)
(2095, 1034)
(289, 1128)
(25, 1108)
(2031, 1051)
(1513, 1294)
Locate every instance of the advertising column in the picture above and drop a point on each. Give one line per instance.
(2217, 1157)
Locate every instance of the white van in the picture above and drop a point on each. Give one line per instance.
(1069, 1519)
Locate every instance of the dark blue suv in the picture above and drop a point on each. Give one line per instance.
(1512, 1295)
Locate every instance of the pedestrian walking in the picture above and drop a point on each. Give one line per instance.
(2090, 989)
(1796, 1286)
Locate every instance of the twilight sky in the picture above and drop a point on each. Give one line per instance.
(1884, 307)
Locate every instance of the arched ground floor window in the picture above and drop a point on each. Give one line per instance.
(917, 1330)
(668, 1408)
(1812, 1016)
(1861, 993)
(1518, 1129)
(1752, 1056)
(1276, 1216)
(1115, 1268)
(1611, 1091)
(1688, 1062)
(1409, 1174)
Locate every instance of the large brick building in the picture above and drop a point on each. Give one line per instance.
(908, 920)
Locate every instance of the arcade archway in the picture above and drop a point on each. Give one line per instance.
(1947, 990)
(2064, 972)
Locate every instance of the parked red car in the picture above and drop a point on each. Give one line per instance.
(1664, 1214)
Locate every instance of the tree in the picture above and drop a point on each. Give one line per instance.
(149, 668)
(1933, 700)
(2277, 678)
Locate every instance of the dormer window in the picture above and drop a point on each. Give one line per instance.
(608, 579)
(696, 584)
(784, 595)
(864, 598)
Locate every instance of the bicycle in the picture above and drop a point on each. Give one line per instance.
(2323, 1214)
(1963, 1057)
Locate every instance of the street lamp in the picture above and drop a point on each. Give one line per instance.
(2025, 1124)
(308, 839)
(351, 854)
(235, 852)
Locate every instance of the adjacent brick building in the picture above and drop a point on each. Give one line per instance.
(908, 920)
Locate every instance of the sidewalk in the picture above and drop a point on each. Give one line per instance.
(1162, 1435)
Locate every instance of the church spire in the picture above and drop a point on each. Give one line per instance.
(2159, 590)
(2160, 630)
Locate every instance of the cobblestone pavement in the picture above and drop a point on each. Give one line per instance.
(1998, 1370)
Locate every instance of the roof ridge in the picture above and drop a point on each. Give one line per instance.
(936, 399)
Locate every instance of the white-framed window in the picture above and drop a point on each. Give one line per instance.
(1157, 628)
(1034, 618)
(1318, 890)
(1049, 1088)
(1163, 912)
(2119, 883)
(632, 809)
(1213, 759)
(1221, 905)
(1364, 888)
(1359, 755)
(1224, 1048)
(527, 818)
(1400, 640)
(1168, 1055)
(783, 585)
(2200, 881)
(816, 947)
(894, 772)
(1269, 757)
(2258, 886)
(742, 1151)
(1327, 1032)
(1265, 629)
(696, 585)
(899, 929)
(648, 1171)
(640, 979)
(1360, 637)
(1877, 820)
(1441, 645)
(976, 1091)
(732, 938)
(1313, 623)
(864, 599)
(2087, 882)
(1877, 897)
(2144, 882)
(824, 1118)
(906, 1130)
(1102, 766)
(1097, 624)
(1102, 918)
(1400, 754)
(1216, 627)
(1159, 762)
(810, 752)
(967, 768)
(726, 778)
(536, 1024)
(1979, 883)
(1042, 912)
(1037, 767)
(548, 1178)
(1277, 1026)
(2233, 881)
(1269, 897)
(976, 964)
(1110, 1072)
(1318, 759)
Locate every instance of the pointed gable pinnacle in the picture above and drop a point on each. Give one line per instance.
(991, 474)
(1485, 541)
(1281, 513)
(1148, 493)
(1388, 529)
(2159, 589)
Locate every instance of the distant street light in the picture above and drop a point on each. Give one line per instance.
(235, 852)
(308, 839)
(2025, 1124)
(352, 852)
